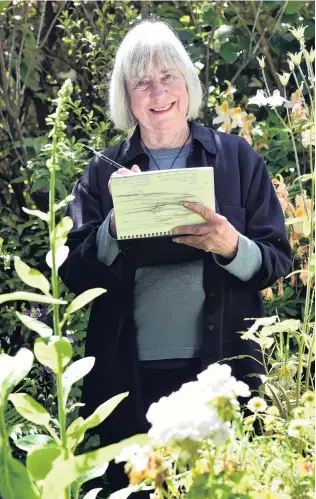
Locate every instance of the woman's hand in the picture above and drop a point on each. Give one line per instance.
(120, 171)
(217, 235)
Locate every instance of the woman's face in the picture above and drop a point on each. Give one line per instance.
(159, 100)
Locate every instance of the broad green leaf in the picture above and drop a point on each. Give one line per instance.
(30, 409)
(26, 296)
(49, 350)
(66, 472)
(83, 299)
(14, 369)
(61, 231)
(14, 478)
(37, 213)
(32, 277)
(293, 7)
(104, 410)
(60, 256)
(75, 433)
(79, 426)
(29, 442)
(92, 494)
(35, 325)
(229, 52)
(87, 476)
(40, 461)
(74, 372)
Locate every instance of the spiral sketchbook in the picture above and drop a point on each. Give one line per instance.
(150, 204)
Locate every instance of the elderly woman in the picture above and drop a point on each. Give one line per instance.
(173, 305)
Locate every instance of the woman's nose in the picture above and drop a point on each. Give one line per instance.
(157, 90)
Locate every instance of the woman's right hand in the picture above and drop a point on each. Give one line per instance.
(120, 171)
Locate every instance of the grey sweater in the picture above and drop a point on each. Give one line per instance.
(168, 299)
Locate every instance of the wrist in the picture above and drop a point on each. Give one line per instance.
(232, 251)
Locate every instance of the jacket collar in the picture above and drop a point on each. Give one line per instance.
(132, 147)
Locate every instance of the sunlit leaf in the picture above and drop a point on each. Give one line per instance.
(26, 296)
(92, 494)
(49, 351)
(40, 461)
(61, 231)
(29, 442)
(31, 277)
(60, 256)
(14, 369)
(37, 326)
(74, 372)
(37, 213)
(104, 410)
(65, 473)
(83, 299)
(30, 409)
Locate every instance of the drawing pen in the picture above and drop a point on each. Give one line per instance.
(100, 155)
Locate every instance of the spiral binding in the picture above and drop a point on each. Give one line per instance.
(152, 234)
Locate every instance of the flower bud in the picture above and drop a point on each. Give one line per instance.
(310, 57)
(261, 62)
(296, 58)
(284, 79)
(298, 33)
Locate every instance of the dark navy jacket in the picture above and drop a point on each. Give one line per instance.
(245, 195)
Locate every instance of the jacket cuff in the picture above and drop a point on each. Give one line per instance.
(247, 261)
(108, 246)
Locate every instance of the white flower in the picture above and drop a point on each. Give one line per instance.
(261, 62)
(298, 33)
(193, 412)
(136, 455)
(299, 428)
(308, 136)
(276, 100)
(296, 98)
(259, 99)
(310, 57)
(257, 404)
(295, 58)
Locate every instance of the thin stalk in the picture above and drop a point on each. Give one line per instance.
(299, 372)
(6, 451)
(307, 86)
(309, 361)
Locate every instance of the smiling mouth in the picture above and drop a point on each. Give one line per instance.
(160, 110)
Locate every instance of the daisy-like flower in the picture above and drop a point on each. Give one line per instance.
(257, 404)
(272, 411)
(298, 412)
(308, 399)
(299, 428)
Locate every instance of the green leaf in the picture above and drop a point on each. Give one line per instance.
(38, 184)
(293, 7)
(229, 52)
(74, 372)
(14, 478)
(26, 296)
(37, 213)
(83, 299)
(31, 277)
(61, 231)
(66, 472)
(92, 494)
(104, 410)
(14, 369)
(87, 476)
(60, 256)
(39, 462)
(29, 442)
(64, 202)
(49, 350)
(30, 409)
(35, 325)
(75, 433)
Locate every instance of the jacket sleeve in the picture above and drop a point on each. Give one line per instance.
(82, 270)
(265, 226)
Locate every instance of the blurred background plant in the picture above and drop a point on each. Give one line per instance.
(43, 43)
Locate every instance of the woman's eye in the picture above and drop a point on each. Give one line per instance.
(140, 83)
(169, 77)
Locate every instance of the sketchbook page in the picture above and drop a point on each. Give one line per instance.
(150, 204)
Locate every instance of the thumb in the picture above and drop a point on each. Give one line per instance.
(135, 168)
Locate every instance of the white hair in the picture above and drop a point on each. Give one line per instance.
(135, 57)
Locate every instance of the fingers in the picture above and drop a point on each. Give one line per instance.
(197, 229)
(123, 171)
(205, 212)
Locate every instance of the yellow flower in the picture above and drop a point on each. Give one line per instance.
(237, 116)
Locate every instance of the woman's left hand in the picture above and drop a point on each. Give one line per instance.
(217, 235)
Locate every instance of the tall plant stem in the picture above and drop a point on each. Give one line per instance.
(54, 282)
